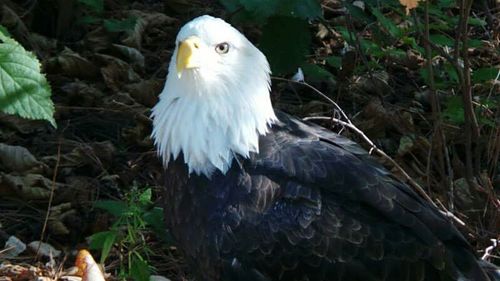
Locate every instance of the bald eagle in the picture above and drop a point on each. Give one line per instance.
(255, 194)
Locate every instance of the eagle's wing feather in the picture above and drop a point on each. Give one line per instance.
(317, 204)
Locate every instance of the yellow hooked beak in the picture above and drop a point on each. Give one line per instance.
(187, 54)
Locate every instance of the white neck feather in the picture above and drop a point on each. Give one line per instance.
(211, 121)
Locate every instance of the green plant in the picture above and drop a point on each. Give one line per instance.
(24, 90)
(134, 217)
(95, 15)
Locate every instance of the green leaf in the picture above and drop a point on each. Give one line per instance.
(4, 31)
(451, 72)
(95, 5)
(410, 41)
(372, 48)
(334, 61)
(285, 41)
(396, 53)
(103, 240)
(454, 110)
(126, 25)
(116, 208)
(316, 73)
(139, 268)
(485, 74)
(441, 39)
(389, 26)
(474, 43)
(145, 197)
(477, 22)
(154, 218)
(24, 90)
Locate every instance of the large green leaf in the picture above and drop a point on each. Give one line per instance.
(103, 240)
(484, 74)
(316, 73)
(114, 207)
(24, 90)
(442, 40)
(139, 268)
(454, 110)
(285, 41)
(387, 24)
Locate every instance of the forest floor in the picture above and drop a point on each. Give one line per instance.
(105, 77)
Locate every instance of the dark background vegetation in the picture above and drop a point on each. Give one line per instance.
(423, 87)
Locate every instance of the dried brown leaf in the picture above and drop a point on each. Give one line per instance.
(21, 125)
(145, 20)
(72, 64)
(82, 94)
(145, 92)
(28, 187)
(117, 72)
(131, 55)
(17, 158)
(11, 20)
(98, 39)
(409, 4)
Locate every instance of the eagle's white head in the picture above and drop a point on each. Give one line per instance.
(216, 100)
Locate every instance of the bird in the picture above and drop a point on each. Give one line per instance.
(253, 193)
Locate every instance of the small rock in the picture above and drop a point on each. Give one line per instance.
(14, 247)
(44, 249)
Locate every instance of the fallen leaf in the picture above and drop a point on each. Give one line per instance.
(409, 4)
(145, 92)
(131, 55)
(17, 158)
(28, 187)
(11, 20)
(117, 72)
(72, 64)
(145, 21)
(21, 125)
(97, 40)
(82, 94)
(59, 216)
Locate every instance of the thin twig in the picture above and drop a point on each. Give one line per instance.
(51, 197)
(374, 148)
(471, 126)
(438, 136)
(337, 107)
(488, 250)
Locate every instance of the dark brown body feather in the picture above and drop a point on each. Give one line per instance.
(311, 205)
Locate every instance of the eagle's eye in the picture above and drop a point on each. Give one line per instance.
(222, 48)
